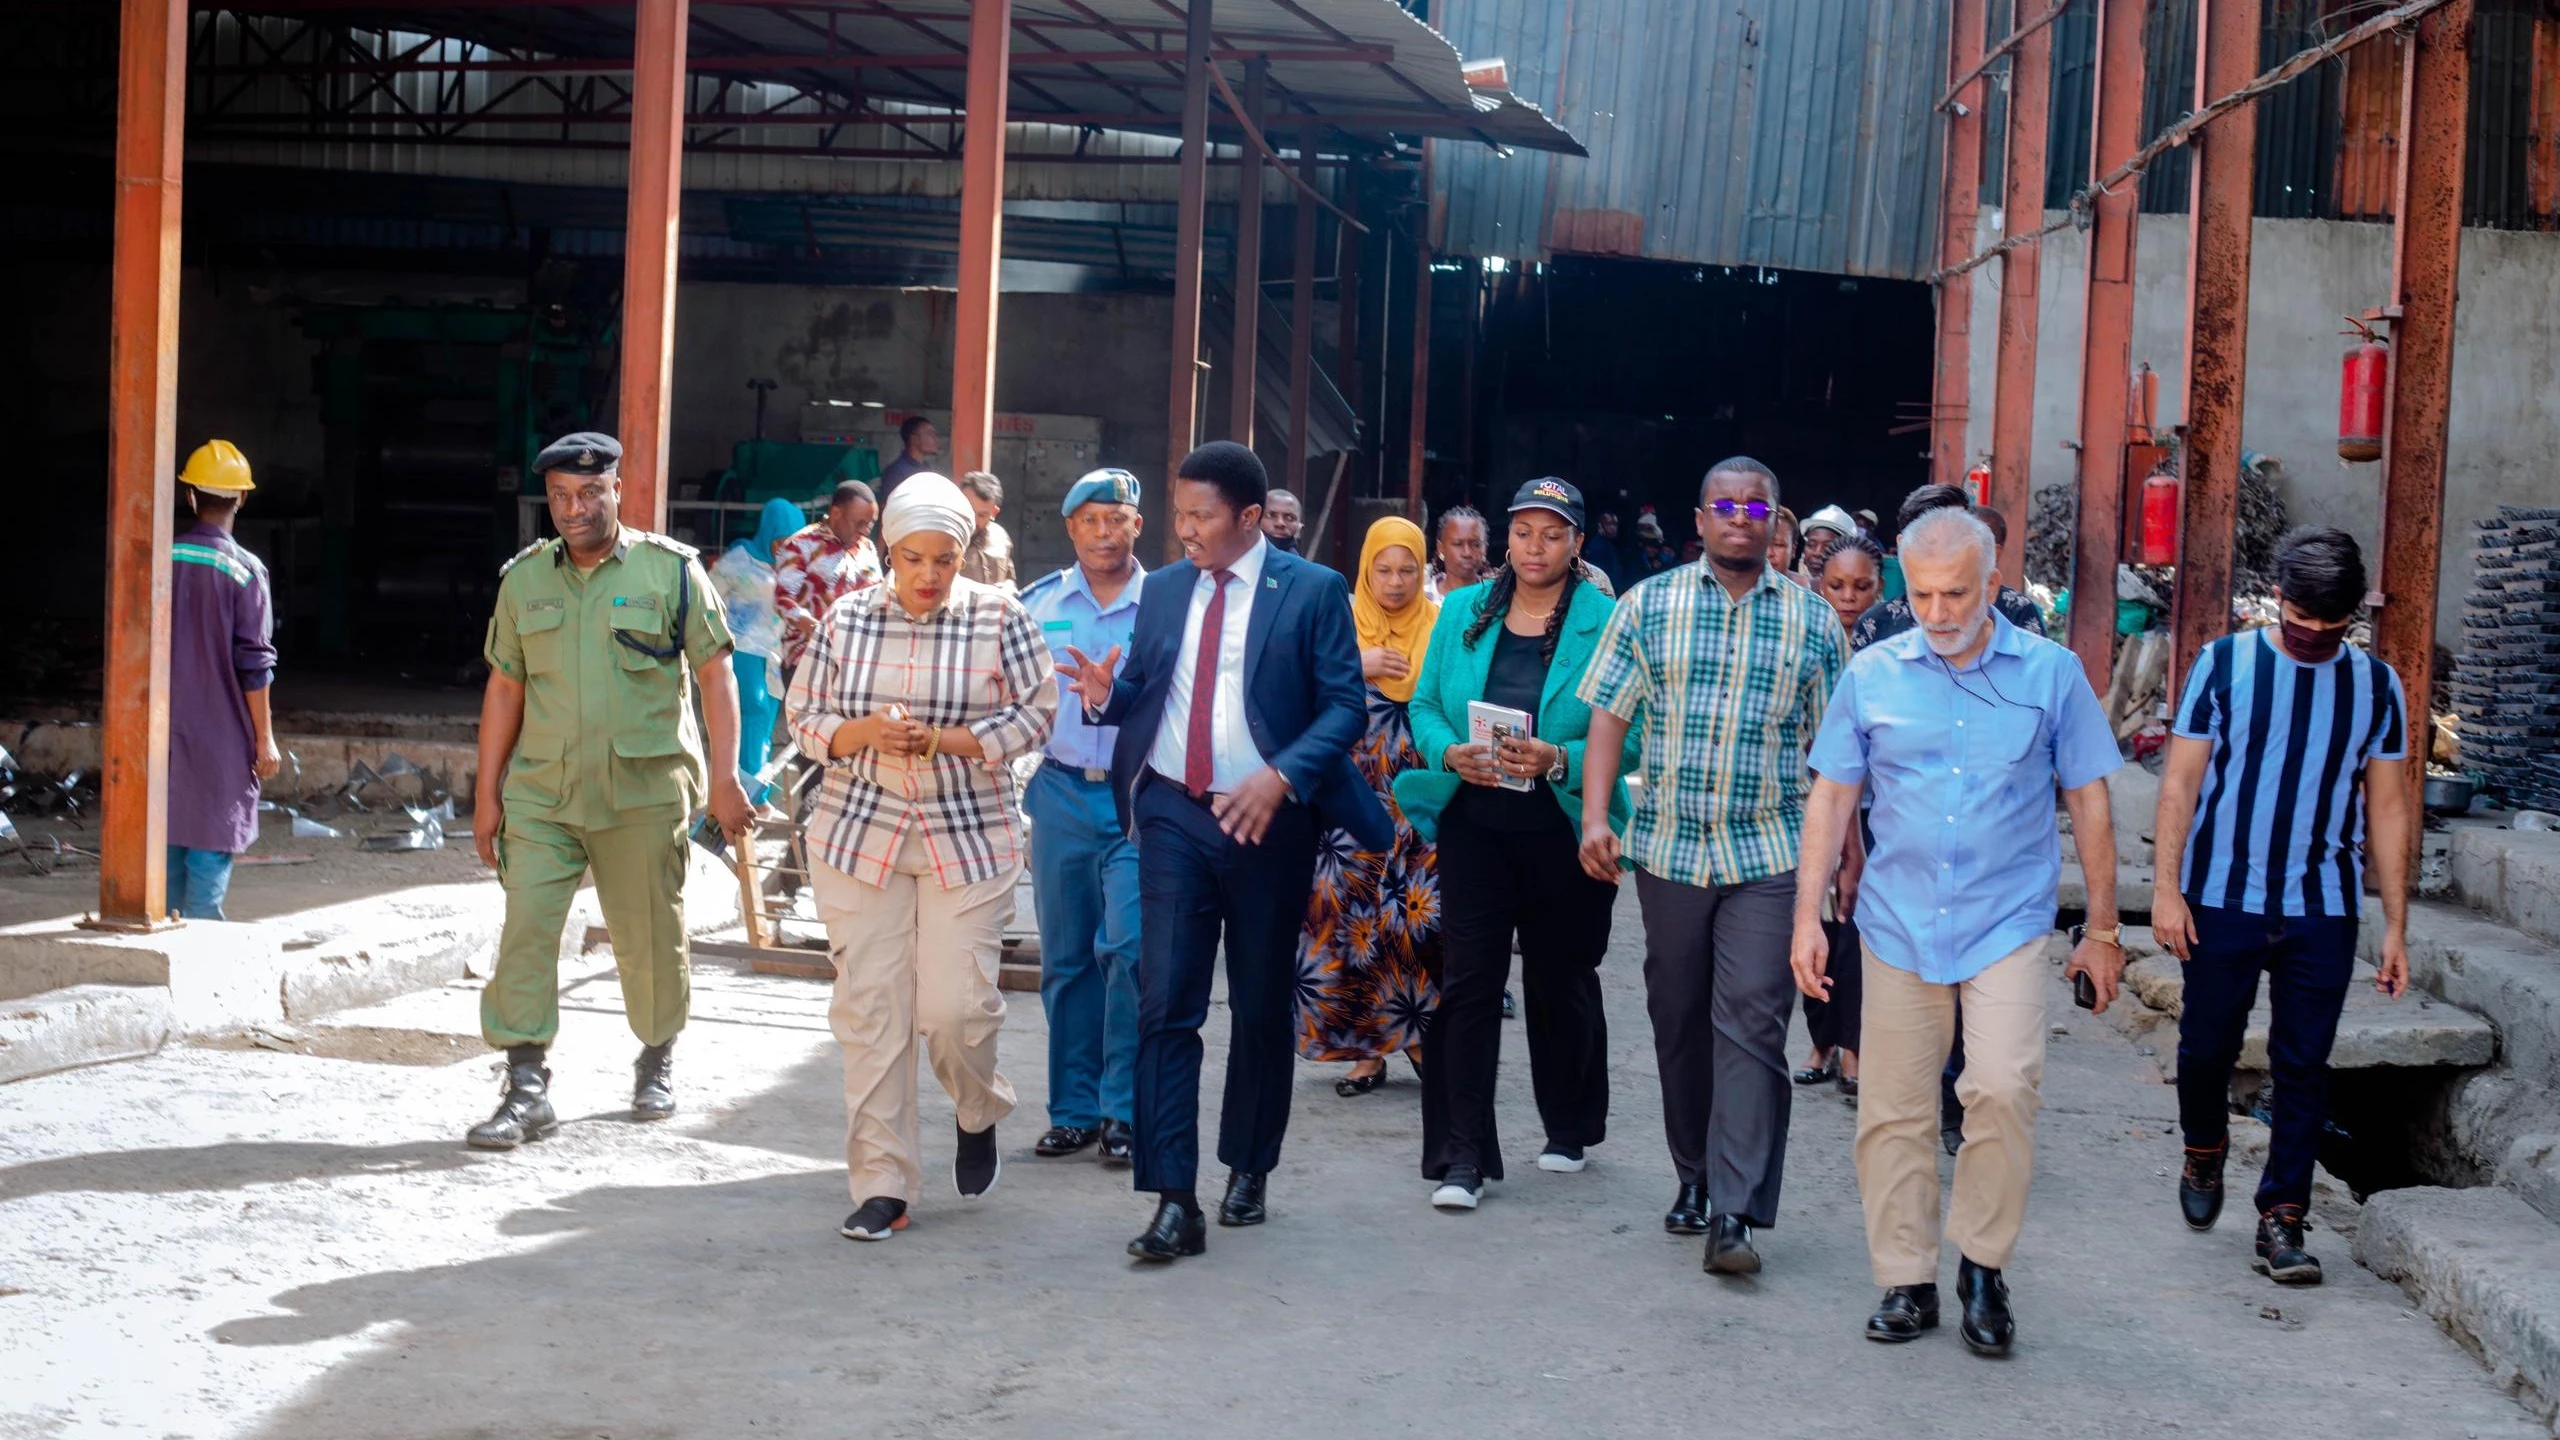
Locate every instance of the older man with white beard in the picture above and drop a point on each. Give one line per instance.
(1963, 727)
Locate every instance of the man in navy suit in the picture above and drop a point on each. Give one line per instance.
(1237, 709)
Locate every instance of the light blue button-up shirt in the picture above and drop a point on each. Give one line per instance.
(1962, 765)
(1068, 614)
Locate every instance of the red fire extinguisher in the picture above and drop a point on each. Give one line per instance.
(1977, 482)
(2160, 518)
(2363, 381)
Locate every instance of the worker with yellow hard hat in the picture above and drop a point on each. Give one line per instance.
(222, 661)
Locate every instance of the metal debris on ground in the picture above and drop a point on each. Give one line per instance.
(2507, 684)
(308, 829)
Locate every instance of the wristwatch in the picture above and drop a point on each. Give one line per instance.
(2112, 935)
(1560, 769)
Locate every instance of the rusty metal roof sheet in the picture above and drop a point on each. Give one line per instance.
(1796, 134)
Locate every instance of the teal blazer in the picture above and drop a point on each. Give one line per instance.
(1452, 675)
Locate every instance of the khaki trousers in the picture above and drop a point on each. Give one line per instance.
(1908, 1026)
(913, 962)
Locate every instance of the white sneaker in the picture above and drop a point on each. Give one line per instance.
(1459, 1191)
(1562, 1159)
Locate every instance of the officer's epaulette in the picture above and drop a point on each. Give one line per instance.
(666, 542)
(1043, 583)
(520, 555)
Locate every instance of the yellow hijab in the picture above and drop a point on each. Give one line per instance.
(1407, 630)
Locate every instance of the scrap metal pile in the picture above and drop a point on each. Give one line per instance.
(2507, 687)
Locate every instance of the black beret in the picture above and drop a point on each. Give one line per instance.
(584, 453)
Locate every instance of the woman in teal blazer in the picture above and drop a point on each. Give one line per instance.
(1509, 858)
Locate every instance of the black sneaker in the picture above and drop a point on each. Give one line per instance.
(1561, 1159)
(879, 1218)
(975, 1165)
(2280, 1256)
(2200, 1186)
(1460, 1188)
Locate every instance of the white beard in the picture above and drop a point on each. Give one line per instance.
(1947, 647)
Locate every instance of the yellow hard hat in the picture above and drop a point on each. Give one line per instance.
(219, 466)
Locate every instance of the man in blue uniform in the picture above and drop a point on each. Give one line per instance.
(1084, 870)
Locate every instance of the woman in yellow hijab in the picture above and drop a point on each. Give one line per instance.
(1369, 956)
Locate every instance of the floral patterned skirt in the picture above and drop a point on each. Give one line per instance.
(1369, 953)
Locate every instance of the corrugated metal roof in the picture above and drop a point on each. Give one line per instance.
(1795, 134)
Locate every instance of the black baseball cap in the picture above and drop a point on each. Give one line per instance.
(1550, 493)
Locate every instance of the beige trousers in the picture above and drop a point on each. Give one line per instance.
(1903, 1041)
(913, 962)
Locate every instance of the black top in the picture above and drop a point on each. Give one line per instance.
(1516, 678)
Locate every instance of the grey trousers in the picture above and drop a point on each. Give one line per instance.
(1718, 988)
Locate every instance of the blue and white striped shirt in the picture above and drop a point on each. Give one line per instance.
(2278, 830)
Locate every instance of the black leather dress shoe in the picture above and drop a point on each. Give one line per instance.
(1988, 1327)
(1243, 1205)
(1688, 1212)
(2200, 1187)
(1176, 1231)
(1907, 1310)
(1729, 1249)
(1119, 1142)
(1065, 1140)
(653, 1082)
(524, 1112)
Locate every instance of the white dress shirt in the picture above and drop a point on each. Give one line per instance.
(1233, 757)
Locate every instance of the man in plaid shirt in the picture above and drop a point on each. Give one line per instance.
(1727, 667)
(817, 566)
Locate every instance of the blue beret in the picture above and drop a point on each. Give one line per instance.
(1118, 487)
(584, 453)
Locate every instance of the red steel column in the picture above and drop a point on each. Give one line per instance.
(2218, 215)
(1302, 312)
(1959, 183)
(1248, 326)
(973, 344)
(2426, 250)
(142, 410)
(2106, 342)
(2013, 387)
(649, 256)
(1182, 403)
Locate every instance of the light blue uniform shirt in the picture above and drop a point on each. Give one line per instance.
(1962, 765)
(1064, 605)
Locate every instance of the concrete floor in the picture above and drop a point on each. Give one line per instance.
(230, 1241)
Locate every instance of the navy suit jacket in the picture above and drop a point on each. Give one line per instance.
(1305, 703)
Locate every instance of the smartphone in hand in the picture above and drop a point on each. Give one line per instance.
(2084, 991)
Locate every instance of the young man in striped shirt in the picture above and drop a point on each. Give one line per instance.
(2290, 748)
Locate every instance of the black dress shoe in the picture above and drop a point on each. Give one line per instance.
(975, 1165)
(2200, 1186)
(653, 1082)
(1243, 1205)
(1510, 1007)
(1816, 1074)
(1988, 1327)
(1176, 1231)
(1065, 1140)
(1907, 1310)
(2280, 1256)
(1688, 1212)
(1119, 1142)
(1729, 1249)
(524, 1112)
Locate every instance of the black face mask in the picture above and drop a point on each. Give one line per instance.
(1288, 544)
(2311, 646)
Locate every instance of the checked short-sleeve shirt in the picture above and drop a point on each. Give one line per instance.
(1724, 695)
(978, 660)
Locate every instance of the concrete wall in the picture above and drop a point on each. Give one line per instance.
(2305, 275)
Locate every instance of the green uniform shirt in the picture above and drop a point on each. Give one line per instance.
(609, 733)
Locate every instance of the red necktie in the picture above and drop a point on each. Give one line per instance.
(1197, 770)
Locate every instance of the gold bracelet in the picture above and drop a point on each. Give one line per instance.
(932, 743)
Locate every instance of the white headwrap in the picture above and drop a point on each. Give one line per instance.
(927, 502)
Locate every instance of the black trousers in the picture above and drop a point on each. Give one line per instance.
(1491, 883)
(1719, 990)
(1197, 887)
(1833, 1023)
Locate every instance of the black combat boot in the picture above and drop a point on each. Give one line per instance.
(653, 1082)
(2200, 1186)
(524, 1113)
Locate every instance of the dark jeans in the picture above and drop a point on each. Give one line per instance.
(1719, 991)
(2309, 962)
(1199, 887)
(1492, 881)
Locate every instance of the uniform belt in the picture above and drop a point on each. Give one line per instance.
(1091, 775)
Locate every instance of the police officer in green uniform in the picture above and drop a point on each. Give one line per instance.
(590, 760)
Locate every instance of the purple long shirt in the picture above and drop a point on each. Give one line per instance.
(221, 647)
